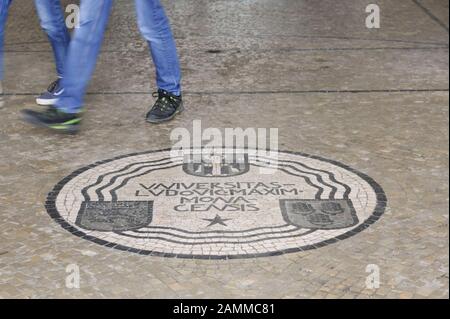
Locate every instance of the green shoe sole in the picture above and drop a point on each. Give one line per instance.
(69, 127)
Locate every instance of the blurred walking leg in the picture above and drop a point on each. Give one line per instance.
(83, 51)
(4, 6)
(78, 68)
(52, 21)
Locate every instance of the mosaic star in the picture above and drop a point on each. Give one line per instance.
(216, 220)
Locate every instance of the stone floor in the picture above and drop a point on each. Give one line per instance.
(374, 99)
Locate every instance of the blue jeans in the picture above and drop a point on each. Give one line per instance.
(85, 46)
(52, 21)
(4, 6)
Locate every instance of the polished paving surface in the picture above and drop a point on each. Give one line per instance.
(373, 99)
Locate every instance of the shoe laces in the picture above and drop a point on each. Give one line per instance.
(53, 86)
(164, 101)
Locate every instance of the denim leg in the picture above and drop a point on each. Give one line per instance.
(52, 21)
(155, 28)
(83, 51)
(4, 6)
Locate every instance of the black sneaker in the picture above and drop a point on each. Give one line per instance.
(54, 119)
(166, 107)
(51, 95)
(2, 103)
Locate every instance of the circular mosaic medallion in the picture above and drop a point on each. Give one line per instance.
(236, 204)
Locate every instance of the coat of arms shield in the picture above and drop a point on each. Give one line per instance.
(216, 165)
(115, 216)
(319, 214)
